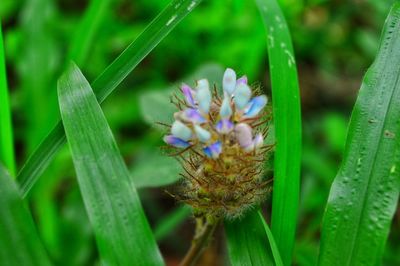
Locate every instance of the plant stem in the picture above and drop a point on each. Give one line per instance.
(200, 242)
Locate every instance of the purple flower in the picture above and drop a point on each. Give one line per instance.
(189, 94)
(224, 126)
(255, 106)
(176, 142)
(193, 116)
(213, 150)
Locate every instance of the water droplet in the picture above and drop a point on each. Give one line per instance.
(191, 6)
(171, 20)
(393, 169)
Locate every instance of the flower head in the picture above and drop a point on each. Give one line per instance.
(220, 139)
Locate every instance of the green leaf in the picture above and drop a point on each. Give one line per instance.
(250, 242)
(171, 221)
(106, 83)
(287, 122)
(38, 68)
(85, 32)
(144, 174)
(19, 242)
(365, 192)
(6, 132)
(122, 232)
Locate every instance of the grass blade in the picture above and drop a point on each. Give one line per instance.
(19, 242)
(287, 122)
(6, 133)
(250, 242)
(172, 221)
(274, 247)
(87, 29)
(122, 232)
(37, 69)
(364, 194)
(106, 83)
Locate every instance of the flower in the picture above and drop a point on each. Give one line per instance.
(222, 135)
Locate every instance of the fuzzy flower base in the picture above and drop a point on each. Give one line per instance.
(220, 144)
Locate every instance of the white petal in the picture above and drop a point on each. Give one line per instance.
(226, 110)
(229, 81)
(258, 140)
(203, 95)
(244, 135)
(202, 134)
(242, 95)
(181, 131)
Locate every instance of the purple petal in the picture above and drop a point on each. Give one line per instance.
(242, 80)
(193, 115)
(213, 150)
(255, 106)
(224, 126)
(189, 94)
(176, 142)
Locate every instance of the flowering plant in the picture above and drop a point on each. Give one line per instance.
(221, 146)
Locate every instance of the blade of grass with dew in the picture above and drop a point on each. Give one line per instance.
(19, 241)
(250, 241)
(365, 192)
(114, 74)
(287, 122)
(87, 29)
(122, 232)
(6, 133)
(171, 221)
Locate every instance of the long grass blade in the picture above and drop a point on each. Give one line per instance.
(106, 83)
(37, 69)
(19, 241)
(287, 122)
(122, 232)
(87, 29)
(250, 242)
(6, 133)
(364, 194)
(170, 222)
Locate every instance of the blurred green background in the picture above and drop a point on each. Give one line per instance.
(335, 41)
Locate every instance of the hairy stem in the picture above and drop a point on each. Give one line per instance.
(204, 231)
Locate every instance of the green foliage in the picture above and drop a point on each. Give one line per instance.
(144, 173)
(365, 192)
(6, 132)
(86, 31)
(250, 241)
(122, 232)
(287, 125)
(19, 242)
(171, 221)
(106, 83)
